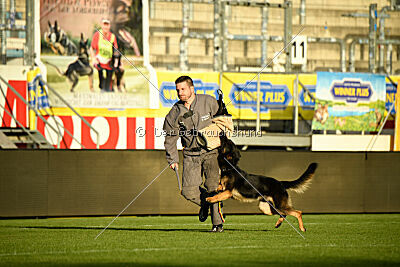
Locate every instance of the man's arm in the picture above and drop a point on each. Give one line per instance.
(93, 48)
(171, 137)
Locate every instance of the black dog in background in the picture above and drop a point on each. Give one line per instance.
(119, 71)
(58, 41)
(80, 67)
(274, 192)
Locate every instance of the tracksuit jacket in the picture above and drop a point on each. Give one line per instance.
(184, 123)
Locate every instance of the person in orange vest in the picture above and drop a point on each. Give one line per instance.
(103, 47)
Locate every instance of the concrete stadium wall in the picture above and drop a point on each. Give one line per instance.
(93, 182)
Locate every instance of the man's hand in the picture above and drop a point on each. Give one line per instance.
(95, 61)
(174, 165)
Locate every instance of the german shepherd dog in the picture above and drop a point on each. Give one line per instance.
(118, 77)
(58, 41)
(80, 67)
(274, 192)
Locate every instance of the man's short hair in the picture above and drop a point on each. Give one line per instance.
(184, 79)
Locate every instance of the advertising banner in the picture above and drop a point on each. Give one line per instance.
(307, 95)
(204, 83)
(85, 64)
(391, 90)
(276, 95)
(141, 128)
(37, 92)
(240, 93)
(115, 132)
(349, 101)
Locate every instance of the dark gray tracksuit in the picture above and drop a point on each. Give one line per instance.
(196, 161)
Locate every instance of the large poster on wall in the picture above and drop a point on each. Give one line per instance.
(113, 76)
(349, 101)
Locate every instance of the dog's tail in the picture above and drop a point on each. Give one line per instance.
(55, 66)
(300, 185)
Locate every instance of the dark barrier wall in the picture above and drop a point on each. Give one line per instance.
(103, 182)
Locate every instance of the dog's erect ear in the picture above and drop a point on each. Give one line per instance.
(82, 39)
(56, 26)
(49, 23)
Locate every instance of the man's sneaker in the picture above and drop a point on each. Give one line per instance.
(217, 228)
(203, 213)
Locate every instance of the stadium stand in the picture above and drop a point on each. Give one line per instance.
(340, 19)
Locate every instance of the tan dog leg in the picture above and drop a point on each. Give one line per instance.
(298, 215)
(220, 196)
(279, 222)
(91, 83)
(265, 208)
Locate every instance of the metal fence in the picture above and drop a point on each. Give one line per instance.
(246, 35)
(16, 32)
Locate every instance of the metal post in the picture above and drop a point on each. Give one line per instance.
(372, 37)
(397, 119)
(183, 45)
(352, 67)
(3, 36)
(12, 13)
(224, 29)
(217, 35)
(30, 32)
(296, 105)
(398, 52)
(191, 10)
(264, 24)
(152, 10)
(366, 41)
(342, 44)
(36, 107)
(288, 34)
(258, 104)
(389, 56)
(382, 17)
(302, 12)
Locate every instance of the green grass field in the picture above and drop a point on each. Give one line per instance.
(251, 240)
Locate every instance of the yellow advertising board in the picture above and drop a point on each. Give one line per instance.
(240, 95)
(306, 102)
(391, 94)
(204, 83)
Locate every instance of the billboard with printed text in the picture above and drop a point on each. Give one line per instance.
(349, 101)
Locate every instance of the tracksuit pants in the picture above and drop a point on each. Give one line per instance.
(194, 167)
